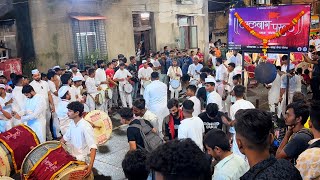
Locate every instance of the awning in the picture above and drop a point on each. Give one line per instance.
(88, 18)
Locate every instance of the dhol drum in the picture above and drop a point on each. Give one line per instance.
(5, 178)
(102, 125)
(15, 144)
(127, 88)
(99, 99)
(50, 160)
(175, 84)
(146, 83)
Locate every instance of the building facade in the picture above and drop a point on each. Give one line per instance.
(85, 30)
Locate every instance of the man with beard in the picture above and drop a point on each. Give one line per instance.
(17, 96)
(172, 121)
(42, 88)
(75, 71)
(101, 81)
(139, 110)
(34, 112)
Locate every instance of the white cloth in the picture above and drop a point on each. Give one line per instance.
(221, 73)
(18, 102)
(196, 107)
(237, 60)
(101, 77)
(81, 139)
(5, 123)
(274, 93)
(214, 97)
(76, 93)
(317, 43)
(293, 83)
(155, 96)
(42, 88)
(194, 70)
(78, 74)
(192, 128)
(231, 167)
(91, 86)
(152, 118)
(53, 89)
(144, 73)
(34, 115)
(122, 74)
(62, 115)
(239, 104)
(299, 83)
(172, 73)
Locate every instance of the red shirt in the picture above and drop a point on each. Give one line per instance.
(306, 78)
(110, 74)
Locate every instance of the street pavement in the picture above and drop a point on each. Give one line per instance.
(109, 157)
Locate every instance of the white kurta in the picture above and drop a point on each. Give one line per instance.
(18, 103)
(221, 75)
(34, 116)
(76, 93)
(194, 70)
(214, 97)
(172, 73)
(155, 96)
(101, 77)
(274, 93)
(81, 139)
(122, 74)
(63, 118)
(144, 73)
(6, 124)
(196, 107)
(149, 116)
(92, 92)
(41, 88)
(239, 104)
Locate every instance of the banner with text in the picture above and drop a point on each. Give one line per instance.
(281, 28)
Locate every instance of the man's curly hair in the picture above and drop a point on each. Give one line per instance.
(180, 159)
(134, 165)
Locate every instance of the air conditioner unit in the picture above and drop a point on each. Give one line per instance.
(263, 2)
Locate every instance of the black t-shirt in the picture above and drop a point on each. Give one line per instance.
(209, 123)
(176, 122)
(134, 134)
(297, 144)
(316, 70)
(133, 69)
(202, 94)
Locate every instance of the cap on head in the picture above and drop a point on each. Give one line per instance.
(144, 61)
(2, 86)
(35, 71)
(210, 80)
(76, 78)
(63, 90)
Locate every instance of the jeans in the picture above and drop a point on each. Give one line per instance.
(135, 90)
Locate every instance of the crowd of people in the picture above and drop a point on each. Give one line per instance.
(178, 106)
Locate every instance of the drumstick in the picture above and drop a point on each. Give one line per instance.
(94, 126)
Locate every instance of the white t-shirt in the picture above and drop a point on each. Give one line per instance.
(214, 97)
(192, 128)
(221, 73)
(99, 77)
(122, 74)
(81, 139)
(196, 107)
(194, 70)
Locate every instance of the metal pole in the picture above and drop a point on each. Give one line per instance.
(242, 72)
(287, 89)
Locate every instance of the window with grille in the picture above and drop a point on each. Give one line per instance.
(89, 40)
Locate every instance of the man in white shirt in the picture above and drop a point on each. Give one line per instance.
(33, 113)
(191, 94)
(101, 80)
(191, 127)
(213, 96)
(317, 42)
(174, 73)
(18, 99)
(62, 110)
(80, 136)
(144, 74)
(42, 88)
(240, 103)
(194, 69)
(52, 78)
(221, 77)
(284, 63)
(92, 90)
(229, 86)
(274, 93)
(236, 58)
(76, 89)
(229, 166)
(156, 98)
(140, 111)
(75, 71)
(6, 105)
(122, 75)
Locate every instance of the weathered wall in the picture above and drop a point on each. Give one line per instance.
(52, 31)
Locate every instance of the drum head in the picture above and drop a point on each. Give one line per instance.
(128, 88)
(74, 171)
(146, 83)
(175, 84)
(102, 120)
(5, 169)
(36, 154)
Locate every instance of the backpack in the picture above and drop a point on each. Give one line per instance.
(315, 145)
(151, 140)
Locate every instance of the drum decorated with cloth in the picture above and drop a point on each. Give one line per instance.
(15, 144)
(102, 125)
(50, 160)
(127, 88)
(5, 178)
(146, 83)
(175, 84)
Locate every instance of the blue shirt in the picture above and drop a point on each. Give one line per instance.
(185, 62)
